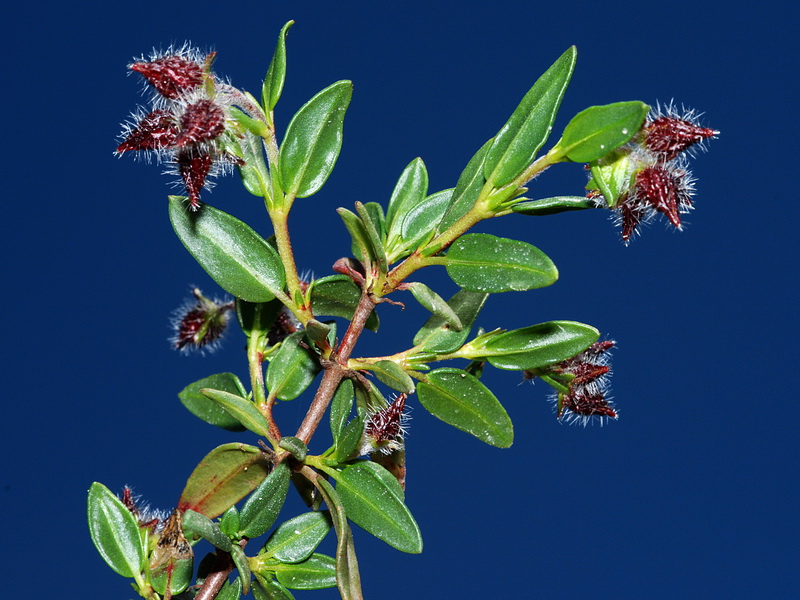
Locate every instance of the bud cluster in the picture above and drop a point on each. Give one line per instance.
(652, 171)
(188, 120)
(581, 385)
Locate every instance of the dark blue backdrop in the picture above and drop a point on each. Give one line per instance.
(691, 494)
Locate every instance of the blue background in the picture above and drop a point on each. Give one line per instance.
(693, 493)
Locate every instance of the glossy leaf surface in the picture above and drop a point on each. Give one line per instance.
(597, 130)
(262, 507)
(313, 140)
(373, 500)
(241, 409)
(234, 255)
(338, 296)
(341, 407)
(480, 262)
(291, 369)
(114, 531)
(516, 144)
(419, 223)
(201, 525)
(296, 539)
(539, 345)
(315, 573)
(435, 303)
(391, 374)
(276, 73)
(348, 579)
(461, 400)
(208, 410)
(409, 192)
(226, 475)
(437, 335)
(467, 190)
(552, 206)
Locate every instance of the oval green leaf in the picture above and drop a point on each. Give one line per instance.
(438, 335)
(291, 369)
(226, 475)
(341, 407)
(276, 73)
(480, 262)
(552, 206)
(241, 409)
(467, 190)
(411, 189)
(435, 303)
(201, 525)
(313, 140)
(373, 500)
(516, 144)
(296, 539)
(598, 130)
(393, 375)
(539, 345)
(315, 573)
(114, 531)
(234, 255)
(208, 410)
(262, 507)
(419, 223)
(338, 296)
(461, 400)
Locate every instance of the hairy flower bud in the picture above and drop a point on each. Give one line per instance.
(172, 74)
(385, 429)
(581, 385)
(669, 133)
(200, 323)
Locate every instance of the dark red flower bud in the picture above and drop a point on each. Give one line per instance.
(385, 429)
(201, 121)
(665, 190)
(194, 167)
(200, 324)
(155, 131)
(586, 405)
(669, 136)
(171, 76)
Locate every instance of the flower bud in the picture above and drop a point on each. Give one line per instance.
(669, 134)
(200, 323)
(385, 429)
(173, 73)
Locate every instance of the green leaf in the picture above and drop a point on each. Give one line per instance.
(409, 192)
(539, 345)
(341, 407)
(552, 206)
(204, 527)
(276, 74)
(231, 591)
(361, 245)
(226, 475)
(437, 335)
(296, 539)
(348, 579)
(597, 130)
(243, 566)
(262, 507)
(234, 255)
(467, 190)
(313, 140)
(461, 400)
(374, 237)
(315, 573)
(266, 588)
(241, 409)
(516, 144)
(373, 500)
(296, 447)
(480, 262)
(419, 223)
(257, 317)
(338, 296)
(291, 369)
(349, 439)
(391, 374)
(115, 532)
(229, 523)
(434, 303)
(208, 410)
